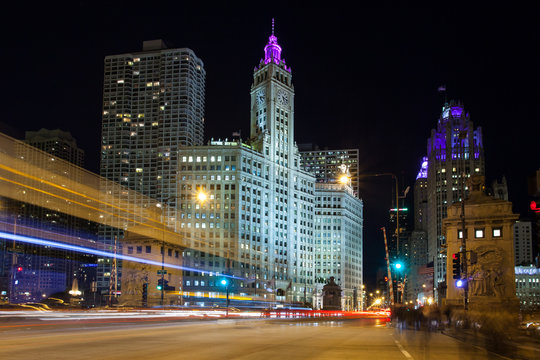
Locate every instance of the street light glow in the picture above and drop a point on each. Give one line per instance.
(398, 266)
(344, 179)
(201, 196)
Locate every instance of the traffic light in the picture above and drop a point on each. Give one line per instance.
(145, 294)
(164, 284)
(456, 266)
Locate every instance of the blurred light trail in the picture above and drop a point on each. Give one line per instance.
(44, 242)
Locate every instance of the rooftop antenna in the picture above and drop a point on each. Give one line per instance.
(272, 26)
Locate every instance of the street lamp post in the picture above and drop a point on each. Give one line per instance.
(226, 284)
(160, 206)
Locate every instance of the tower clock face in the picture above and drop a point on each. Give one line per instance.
(282, 97)
(260, 97)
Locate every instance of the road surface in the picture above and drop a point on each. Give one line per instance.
(229, 339)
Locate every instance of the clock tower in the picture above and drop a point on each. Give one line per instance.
(272, 105)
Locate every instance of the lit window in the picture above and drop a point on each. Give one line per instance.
(478, 233)
(120, 81)
(190, 159)
(198, 159)
(212, 158)
(497, 232)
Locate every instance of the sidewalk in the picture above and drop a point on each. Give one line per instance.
(513, 346)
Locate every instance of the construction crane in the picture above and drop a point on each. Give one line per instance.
(391, 286)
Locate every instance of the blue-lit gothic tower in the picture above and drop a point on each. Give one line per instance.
(455, 152)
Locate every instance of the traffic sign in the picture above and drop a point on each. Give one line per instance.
(162, 272)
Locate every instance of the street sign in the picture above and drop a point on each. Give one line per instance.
(160, 272)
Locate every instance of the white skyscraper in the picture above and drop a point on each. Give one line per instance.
(259, 215)
(258, 221)
(338, 240)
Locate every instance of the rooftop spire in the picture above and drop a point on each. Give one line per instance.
(272, 50)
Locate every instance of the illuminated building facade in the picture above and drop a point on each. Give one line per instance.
(455, 152)
(324, 164)
(338, 240)
(528, 287)
(418, 244)
(153, 103)
(523, 249)
(259, 214)
(261, 234)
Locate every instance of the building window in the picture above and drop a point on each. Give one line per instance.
(460, 234)
(497, 232)
(479, 233)
(148, 249)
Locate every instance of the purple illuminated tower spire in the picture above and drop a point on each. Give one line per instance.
(272, 50)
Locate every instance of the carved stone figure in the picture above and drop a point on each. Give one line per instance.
(486, 276)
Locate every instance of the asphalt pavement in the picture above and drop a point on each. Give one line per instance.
(231, 339)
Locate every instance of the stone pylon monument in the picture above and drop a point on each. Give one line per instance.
(490, 252)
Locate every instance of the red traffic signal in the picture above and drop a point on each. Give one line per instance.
(19, 269)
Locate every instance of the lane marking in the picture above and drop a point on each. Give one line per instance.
(403, 351)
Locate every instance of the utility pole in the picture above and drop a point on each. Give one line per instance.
(113, 277)
(463, 257)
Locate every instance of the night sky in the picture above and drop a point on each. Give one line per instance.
(364, 78)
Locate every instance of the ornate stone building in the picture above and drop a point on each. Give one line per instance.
(490, 252)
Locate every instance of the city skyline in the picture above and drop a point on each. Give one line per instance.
(382, 102)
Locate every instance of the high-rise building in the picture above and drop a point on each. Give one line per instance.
(260, 208)
(325, 164)
(418, 244)
(421, 197)
(57, 143)
(455, 152)
(153, 103)
(523, 247)
(257, 223)
(338, 240)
